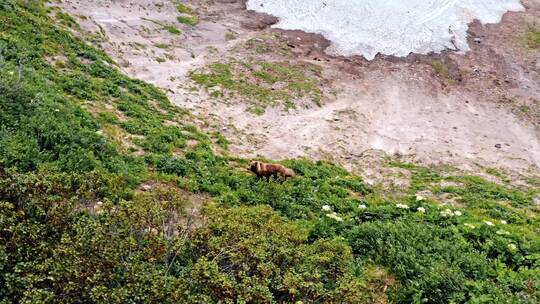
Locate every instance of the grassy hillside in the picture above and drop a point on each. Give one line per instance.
(99, 174)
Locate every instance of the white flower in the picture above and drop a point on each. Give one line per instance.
(502, 232)
(362, 206)
(402, 206)
(420, 198)
(334, 216)
(504, 222)
(469, 225)
(326, 208)
(489, 223)
(447, 213)
(512, 247)
(421, 209)
(98, 208)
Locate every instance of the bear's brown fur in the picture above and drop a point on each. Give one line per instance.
(268, 170)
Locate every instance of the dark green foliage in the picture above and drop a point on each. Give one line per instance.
(99, 172)
(72, 227)
(440, 261)
(251, 255)
(173, 165)
(318, 184)
(51, 249)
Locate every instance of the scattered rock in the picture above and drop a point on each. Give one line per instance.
(259, 21)
(305, 43)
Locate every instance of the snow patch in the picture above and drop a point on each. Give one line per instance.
(389, 27)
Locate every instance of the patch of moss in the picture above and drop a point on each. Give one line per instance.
(261, 83)
(267, 43)
(188, 19)
(162, 45)
(533, 39)
(440, 69)
(184, 8)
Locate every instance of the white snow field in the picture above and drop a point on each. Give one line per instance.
(389, 27)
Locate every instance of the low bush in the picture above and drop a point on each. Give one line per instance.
(103, 182)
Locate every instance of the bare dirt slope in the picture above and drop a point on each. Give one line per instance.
(478, 108)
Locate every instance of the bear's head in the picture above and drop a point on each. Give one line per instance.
(253, 166)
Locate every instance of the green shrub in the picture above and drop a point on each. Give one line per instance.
(189, 20)
(173, 165)
(184, 8)
(434, 263)
(250, 254)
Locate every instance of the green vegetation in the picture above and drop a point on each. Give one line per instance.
(99, 174)
(533, 39)
(266, 43)
(441, 70)
(169, 28)
(162, 45)
(67, 20)
(189, 20)
(184, 8)
(172, 29)
(230, 35)
(262, 83)
(187, 15)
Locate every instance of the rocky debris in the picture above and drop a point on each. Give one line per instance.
(304, 43)
(258, 21)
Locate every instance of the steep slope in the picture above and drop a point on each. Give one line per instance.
(108, 193)
(444, 108)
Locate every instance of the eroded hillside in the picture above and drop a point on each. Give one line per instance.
(479, 108)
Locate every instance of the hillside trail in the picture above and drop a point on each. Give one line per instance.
(395, 108)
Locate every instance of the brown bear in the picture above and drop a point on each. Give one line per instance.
(268, 170)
